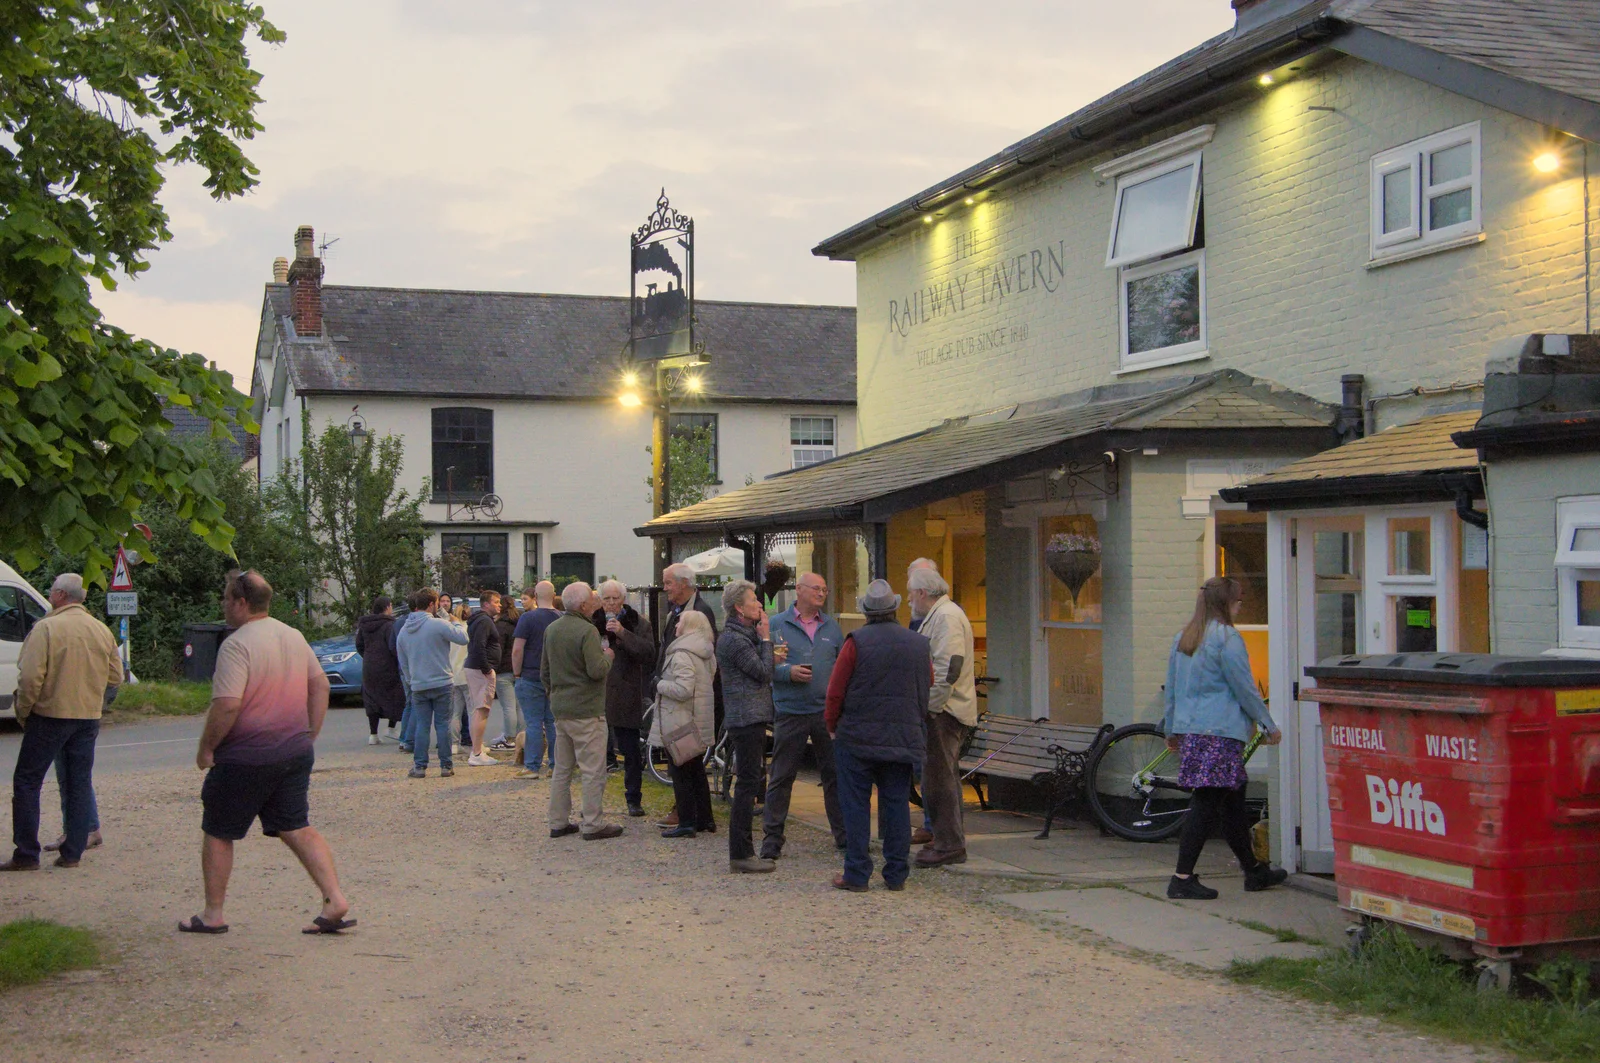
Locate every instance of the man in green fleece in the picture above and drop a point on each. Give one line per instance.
(574, 665)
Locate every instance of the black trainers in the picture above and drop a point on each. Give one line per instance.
(1264, 876)
(1189, 889)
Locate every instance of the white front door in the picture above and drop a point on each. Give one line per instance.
(1329, 557)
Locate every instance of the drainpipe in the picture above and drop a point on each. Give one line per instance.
(1352, 414)
(749, 550)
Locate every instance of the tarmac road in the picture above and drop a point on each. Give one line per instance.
(152, 745)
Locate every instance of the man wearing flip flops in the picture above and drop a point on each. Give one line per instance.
(268, 702)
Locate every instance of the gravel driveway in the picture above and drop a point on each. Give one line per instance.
(481, 938)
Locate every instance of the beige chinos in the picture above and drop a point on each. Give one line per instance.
(580, 744)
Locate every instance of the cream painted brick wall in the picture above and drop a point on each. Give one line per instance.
(1522, 503)
(580, 464)
(1288, 297)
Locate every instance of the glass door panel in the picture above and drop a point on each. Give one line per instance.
(1330, 621)
(1416, 623)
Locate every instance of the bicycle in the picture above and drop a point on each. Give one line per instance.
(1133, 787)
(718, 759)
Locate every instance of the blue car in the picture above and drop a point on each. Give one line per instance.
(340, 663)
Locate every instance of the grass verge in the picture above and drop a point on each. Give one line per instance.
(1282, 933)
(161, 699)
(32, 950)
(1396, 979)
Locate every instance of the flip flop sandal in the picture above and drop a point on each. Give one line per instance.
(324, 925)
(196, 926)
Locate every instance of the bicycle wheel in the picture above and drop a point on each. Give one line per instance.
(719, 767)
(1133, 786)
(655, 756)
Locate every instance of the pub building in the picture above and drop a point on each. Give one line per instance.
(1304, 232)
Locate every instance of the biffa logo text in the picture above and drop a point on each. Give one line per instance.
(1402, 804)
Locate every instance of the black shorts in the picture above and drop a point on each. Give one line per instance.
(235, 794)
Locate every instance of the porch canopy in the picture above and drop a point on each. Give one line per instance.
(1417, 462)
(869, 486)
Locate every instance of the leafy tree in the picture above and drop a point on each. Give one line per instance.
(95, 98)
(689, 472)
(183, 583)
(451, 571)
(361, 529)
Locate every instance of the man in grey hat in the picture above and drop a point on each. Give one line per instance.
(876, 711)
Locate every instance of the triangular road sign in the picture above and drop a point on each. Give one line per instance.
(120, 579)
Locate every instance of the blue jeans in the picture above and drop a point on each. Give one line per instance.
(856, 778)
(44, 738)
(61, 784)
(408, 720)
(539, 726)
(505, 696)
(433, 708)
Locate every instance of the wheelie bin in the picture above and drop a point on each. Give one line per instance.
(1465, 797)
(200, 645)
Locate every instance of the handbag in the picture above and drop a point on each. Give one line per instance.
(680, 737)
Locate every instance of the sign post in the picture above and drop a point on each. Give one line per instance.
(122, 601)
(661, 332)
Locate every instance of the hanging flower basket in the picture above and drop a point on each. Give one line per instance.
(1073, 559)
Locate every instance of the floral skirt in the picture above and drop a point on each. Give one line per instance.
(1211, 760)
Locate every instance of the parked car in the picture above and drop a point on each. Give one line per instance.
(20, 608)
(340, 663)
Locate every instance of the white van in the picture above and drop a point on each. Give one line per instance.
(20, 608)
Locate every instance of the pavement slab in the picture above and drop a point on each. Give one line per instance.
(1159, 926)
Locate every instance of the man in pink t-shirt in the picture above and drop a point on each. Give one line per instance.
(268, 701)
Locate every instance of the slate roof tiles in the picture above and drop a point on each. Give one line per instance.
(410, 341)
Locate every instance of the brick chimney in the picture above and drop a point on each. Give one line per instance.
(305, 284)
(280, 270)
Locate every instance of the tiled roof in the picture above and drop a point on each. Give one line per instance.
(409, 341)
(188, 424)
(1420, 448)
(1554, 43)
(840, 491)
(1239, 410)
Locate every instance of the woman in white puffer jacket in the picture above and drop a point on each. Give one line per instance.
(685, 691)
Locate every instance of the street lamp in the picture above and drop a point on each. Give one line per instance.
(357, 426)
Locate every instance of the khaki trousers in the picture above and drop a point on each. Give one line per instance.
(941, 782)
(580, 745)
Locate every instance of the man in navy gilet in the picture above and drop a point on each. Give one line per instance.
(877, 711)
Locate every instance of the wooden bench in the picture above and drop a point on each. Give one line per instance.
(1051, 757)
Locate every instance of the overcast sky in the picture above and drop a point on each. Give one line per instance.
(514, 144)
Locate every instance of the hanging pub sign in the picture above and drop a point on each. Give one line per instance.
(661, 318)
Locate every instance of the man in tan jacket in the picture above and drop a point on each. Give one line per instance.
(952, 708)
(68, 660)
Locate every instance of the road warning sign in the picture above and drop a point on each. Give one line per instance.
(120, 578)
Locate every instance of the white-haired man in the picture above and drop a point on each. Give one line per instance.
(574, 664)
(67, 663)
(633, 641)
(952, 708)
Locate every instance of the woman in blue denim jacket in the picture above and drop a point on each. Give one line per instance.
(1213, 708)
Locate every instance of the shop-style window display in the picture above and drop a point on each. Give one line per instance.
(1070, 598)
